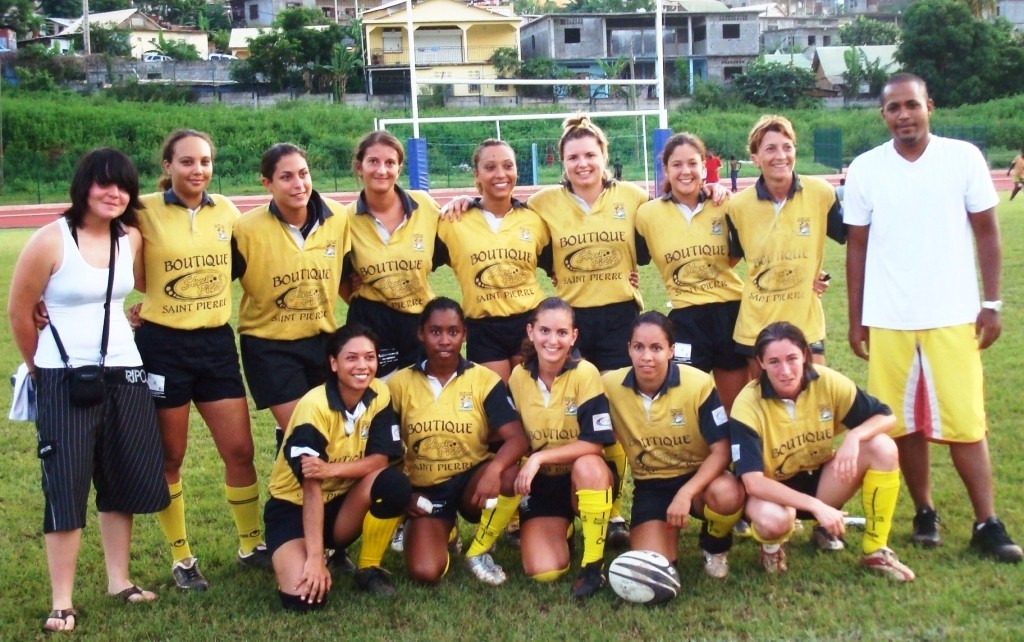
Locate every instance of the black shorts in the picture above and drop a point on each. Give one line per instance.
(190, 365)
(399, 346)
(551, 496)
(652, 497)
(817, 347)
(115, 445)
(495, 338)
(604, 334)
(280, 371)
(704, 336)
(447, 496)
(806, 483)
(282, 522)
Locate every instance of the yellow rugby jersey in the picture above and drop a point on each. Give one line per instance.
(673, 438)
(692, 256)
(784, 253)
(447, 436)
(395, 273)
(321, 426)
(592, 254)
(187, 260)
(497, 271)
(782, 438)
(576, 409)
(289, 292)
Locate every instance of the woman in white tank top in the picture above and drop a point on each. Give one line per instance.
(115, 442)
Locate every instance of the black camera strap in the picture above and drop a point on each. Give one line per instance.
(106, 307)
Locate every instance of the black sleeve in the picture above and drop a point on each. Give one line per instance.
(595, 421)
(498, 407)
(384, 438)
(836, 230)
(237, 262)
(546, 260)
(747, 448)
(714, 424)
(304, 440)
(347, 269)
(441, 254)
(643, 253)
(735, 248)
(864, 407)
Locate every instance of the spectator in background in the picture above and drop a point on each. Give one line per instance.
(713, 164)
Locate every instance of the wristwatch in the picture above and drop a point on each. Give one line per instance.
(995, 306)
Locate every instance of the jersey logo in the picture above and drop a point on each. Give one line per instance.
(500, 276)
(719, 415)
(803, 226)
(620, 211)
(592, 259)
(678, 419)
(778, 278)
(440, 448)
(365, 432)
(524, 234)
(602, 421)
(694, 272)
(570, 405)
(330, 252)
(716, 226)
(301, 297)
(222, 233)
(417, 242)
(824, 413)
(465, 401)
(202, 284)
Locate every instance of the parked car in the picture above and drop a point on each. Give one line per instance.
(156, 57)
(221, 56)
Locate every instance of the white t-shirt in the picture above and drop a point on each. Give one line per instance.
(921, 271)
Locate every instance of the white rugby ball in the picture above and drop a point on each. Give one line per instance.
(643, 577)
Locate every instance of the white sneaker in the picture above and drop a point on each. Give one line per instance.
(485, 569)
(398, 540)
(716, 565)
(826, 541)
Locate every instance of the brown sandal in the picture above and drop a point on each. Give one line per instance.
(62, 615)
(130, 592)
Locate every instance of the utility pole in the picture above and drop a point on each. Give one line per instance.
(85, 28)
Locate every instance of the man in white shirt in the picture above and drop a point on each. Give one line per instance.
(915, 207)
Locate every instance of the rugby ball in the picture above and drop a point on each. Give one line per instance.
(643, 577)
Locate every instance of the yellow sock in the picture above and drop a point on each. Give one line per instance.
(769, 542)
(172, 523)
(549, 576)
(595, 508)
(617, 456)
(492, 523)
(879, 491)
(377, 533)
(720, 526)
(245, 509)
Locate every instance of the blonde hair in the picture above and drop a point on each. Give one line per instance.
(580, 126)
(769, 123)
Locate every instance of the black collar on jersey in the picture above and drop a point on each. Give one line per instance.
(764, 195)
(316, 213)
(570, 364)
(608, 182)
(478, 201)
(408, 204)
(171, 198)
(464, 364)
(671, 381)
(334, 401)
(701, 196)
(768, 392)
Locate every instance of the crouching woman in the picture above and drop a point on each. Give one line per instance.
(331, 482)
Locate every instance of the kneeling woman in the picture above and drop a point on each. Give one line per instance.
(675, 431)
(450, 410)
(782, 429)
(566, 417)
(330, 482)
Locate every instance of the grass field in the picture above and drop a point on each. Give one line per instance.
(956, 596)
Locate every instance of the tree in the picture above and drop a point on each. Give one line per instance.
(293, 56)
(174, 12)
(101, 6)
(108, 41)
(865, 31)
(981, 8)
(682, 75)
(773, 84)
(545, 68)
(61, 8)
(861, 71)
(345, 61)
(613, 71)
(506, 62)
(176, 49)
(962, 58)
(16, 13)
